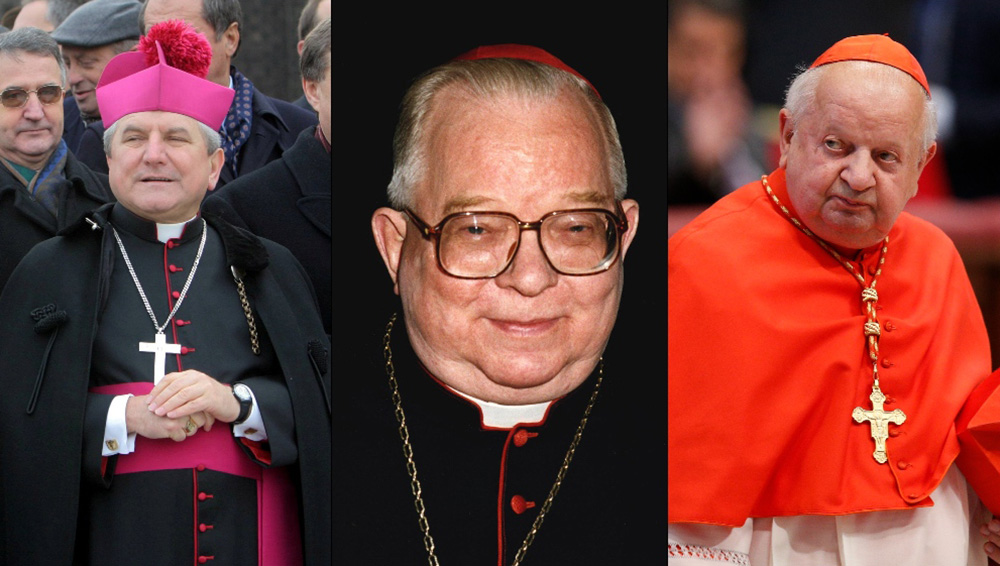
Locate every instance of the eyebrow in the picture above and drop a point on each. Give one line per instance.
(136, 128)
(471, 202)
(10, 87)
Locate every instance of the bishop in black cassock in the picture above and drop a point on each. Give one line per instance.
(83, 355)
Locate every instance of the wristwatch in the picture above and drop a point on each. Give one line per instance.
(242, 394)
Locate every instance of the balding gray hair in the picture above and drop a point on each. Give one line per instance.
(33, 41)
(800, 98)
(485, 78)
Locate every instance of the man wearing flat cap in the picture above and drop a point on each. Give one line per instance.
(90, 37)
(487, 429)
(825, 348)
(166, 387)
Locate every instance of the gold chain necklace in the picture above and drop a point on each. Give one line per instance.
(877, 417)
(411, 467)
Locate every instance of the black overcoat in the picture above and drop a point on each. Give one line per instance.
(51, 312)
(24, 222)
(288, 201)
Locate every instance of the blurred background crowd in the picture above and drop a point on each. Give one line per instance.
(267, 47)
(730, 61)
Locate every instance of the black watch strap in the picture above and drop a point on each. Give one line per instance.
(246, 403)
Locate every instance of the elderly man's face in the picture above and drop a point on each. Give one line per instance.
(854, 158)
(190, 11)
(29, 134)
(84, 66)
(159, 167)
(529, 334)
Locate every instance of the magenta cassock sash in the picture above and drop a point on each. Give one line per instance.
(279, 541)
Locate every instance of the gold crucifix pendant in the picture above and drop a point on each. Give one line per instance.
(879, 421)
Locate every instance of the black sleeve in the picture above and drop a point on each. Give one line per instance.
(275, 407)
(95, 470)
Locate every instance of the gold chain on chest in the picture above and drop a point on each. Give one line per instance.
(411, 467)
(877, 417)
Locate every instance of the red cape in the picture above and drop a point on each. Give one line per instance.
(767, 360)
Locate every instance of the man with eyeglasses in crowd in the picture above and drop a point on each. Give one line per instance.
(43, 188)
(505, 243)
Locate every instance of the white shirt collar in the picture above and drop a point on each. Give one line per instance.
(166, 232)
(495, 415)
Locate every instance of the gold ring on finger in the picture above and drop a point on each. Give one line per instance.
(190, 426)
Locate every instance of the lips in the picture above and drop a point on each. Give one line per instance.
(524, 327)
(851, 203)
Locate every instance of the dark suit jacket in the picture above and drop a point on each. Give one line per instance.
(288, 201)
(24, 222)
(275, 125)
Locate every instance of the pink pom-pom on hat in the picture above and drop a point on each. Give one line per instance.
(166, 73)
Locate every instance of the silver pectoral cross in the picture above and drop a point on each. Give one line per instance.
(879, 420)
(160, 349)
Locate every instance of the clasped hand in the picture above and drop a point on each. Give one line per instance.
(179, 405)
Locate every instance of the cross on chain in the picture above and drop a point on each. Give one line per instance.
(879, 420)
(159, 349)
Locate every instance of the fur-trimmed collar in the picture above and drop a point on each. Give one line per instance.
(243, 249)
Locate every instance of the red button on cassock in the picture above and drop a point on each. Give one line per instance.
(521, 437)
(520, 505)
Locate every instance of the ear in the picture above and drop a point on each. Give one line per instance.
(787, 131)
(300, 45)
(631, 209)
(931, 152)
(311, 90)
(215, 161)
(389, 228)
(231, 39)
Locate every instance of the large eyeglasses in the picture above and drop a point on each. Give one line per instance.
(478, 245)
(17, 97)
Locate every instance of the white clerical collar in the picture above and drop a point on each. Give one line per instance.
(166, 232)
(495, 415)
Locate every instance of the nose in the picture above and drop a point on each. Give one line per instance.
(859, 173)
(154, 152)
(33, 107)
(529, 273)
(73, 74)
